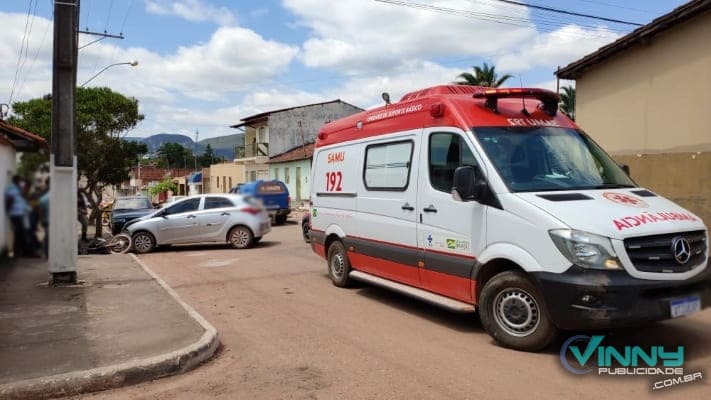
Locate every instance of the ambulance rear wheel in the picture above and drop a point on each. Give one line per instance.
(512, 312)
(339, 267)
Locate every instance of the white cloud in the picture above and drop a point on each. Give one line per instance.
(559, 47)
(191, 10)
(350, 36)
(34, 78)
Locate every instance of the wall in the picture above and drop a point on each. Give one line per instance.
(220, 175)
(653, 98)
(284, 131)
(648, 106)
(681, 177)
(296, 197)
(7, 169)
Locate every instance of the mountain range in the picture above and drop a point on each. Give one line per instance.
(222, 146)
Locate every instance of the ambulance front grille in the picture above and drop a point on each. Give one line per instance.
(657, 253)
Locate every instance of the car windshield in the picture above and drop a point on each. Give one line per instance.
(549, 158)
(132, 204)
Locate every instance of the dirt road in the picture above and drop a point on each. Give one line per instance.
(288, 333)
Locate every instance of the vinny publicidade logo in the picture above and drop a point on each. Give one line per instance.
(586, 354)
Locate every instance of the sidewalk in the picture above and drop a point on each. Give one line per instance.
(121, 325)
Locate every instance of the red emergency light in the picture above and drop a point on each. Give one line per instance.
(549, 100)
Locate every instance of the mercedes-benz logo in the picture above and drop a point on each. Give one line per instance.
(681, 250)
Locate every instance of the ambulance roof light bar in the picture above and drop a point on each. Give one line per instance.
(549, 100)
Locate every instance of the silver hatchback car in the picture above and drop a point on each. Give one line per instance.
(209, 218)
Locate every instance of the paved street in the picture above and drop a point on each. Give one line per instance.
(287, 332)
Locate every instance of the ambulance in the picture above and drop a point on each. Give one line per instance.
(490, 200)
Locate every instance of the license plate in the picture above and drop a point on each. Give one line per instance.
(685, 306)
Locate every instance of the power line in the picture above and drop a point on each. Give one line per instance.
(617, 6)
(34, 59)
(566, 12)
(545, 26)
(23, 48)
(125, 17)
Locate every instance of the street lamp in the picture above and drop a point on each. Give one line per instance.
(132, 63)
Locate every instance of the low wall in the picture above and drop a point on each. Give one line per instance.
(684, 178)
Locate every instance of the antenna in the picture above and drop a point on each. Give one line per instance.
(523, 98)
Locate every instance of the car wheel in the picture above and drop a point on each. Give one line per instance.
(241, 237)
(280, 219)
(143, 242)
(339, 267)
(512, 312)
(306, 231)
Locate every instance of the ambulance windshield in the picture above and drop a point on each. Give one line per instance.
(532, 159)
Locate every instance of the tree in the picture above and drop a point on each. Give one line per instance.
(483, 76)
(567, 101)
(208, 157)
(163, 186)
(174, 155)
(102, 118)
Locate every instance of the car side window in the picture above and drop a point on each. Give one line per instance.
(217, 202)
(447, 152)
(184, 206)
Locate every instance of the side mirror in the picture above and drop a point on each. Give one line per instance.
(625, 168)
(162, 213)
(468, 184)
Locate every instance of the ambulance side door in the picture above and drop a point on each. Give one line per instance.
(386, 243)
(451, 233)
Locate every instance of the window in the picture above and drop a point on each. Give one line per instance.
(217, 180)
(276, 173)
(183, 206)
(286, 175)
(252, 176)
(447, 152)
(217, 202)
(387, 166)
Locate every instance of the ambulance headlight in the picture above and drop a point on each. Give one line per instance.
(585, 249)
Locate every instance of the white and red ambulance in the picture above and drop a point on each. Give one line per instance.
(490, 199)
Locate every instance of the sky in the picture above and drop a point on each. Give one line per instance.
(203, 65)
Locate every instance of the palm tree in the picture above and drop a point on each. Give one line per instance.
(483, 76)
(567, 101)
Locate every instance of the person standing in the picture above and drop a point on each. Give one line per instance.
(44, 218)
(83, 213)
(17, 209)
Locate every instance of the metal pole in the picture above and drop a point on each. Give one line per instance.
(196, 149)
(63, 161)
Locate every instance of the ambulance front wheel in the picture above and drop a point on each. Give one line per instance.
(339, 267)
(512, 312)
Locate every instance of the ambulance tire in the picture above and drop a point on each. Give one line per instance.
(339, 267)
(512, 312)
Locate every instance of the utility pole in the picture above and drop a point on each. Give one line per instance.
(63, 161)
(195, 155)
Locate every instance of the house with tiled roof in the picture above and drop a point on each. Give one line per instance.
(12, 141)
(275, 132)
(645, 98)
(293, 167)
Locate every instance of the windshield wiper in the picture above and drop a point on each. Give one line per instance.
(613, 186)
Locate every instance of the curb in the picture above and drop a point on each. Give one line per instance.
(127, 373)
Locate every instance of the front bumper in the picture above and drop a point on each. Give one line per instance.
(614, 298)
